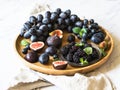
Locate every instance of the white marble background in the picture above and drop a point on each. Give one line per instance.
(13, 13)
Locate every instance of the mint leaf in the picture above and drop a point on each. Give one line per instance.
(83, 30)
(24, 42)
(79, 44)
(103, 52)
(83, 62)
(88, 50)
(76, 30)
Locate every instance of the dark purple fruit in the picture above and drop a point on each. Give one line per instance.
(91, 21)
(39, 18)
(31, 57)
(44, 58)
(63, 15)
(24, 50)
(98, 37)
(34, 38)
(54, 41)
(47, 14)
(27, 35)
(79, 24)
(46, 20)
(51, 50)
(68, 12)
(60, 65)
(27, 25)
(73, 18)
(71, 38)
(33, 19)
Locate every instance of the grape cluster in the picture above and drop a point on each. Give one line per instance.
(73, 53)
(38, 28)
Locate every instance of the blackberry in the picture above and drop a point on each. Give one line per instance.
(81, 52)
(73, 49)
(69, 57)
(88, 58)
(76, 58)
(95, 54)
(64, 50)
(71, 38)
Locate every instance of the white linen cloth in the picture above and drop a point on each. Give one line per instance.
(14, 13)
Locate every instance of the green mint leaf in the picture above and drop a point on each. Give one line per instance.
(83, 30)
(103, 52)
(79, 44)
(76, 30)
(24, 42)
(88, 50)
(83, 62)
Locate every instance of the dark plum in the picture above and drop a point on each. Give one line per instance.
(47, 14)
(98, 37)
(31, 57)
(32, 31)
(34, 38)
(40, 18)
(58, 11)
(54, 17)
(68, 12)
(43, 27)
(79, 24)
(46, 21)
(33, 19)
(22, 32)
(85, 21)
(27, 35)
(69, 29)
(91, 21)
(60, 21)
(54, 41)
(24, 50)
(71, 38)
(27, 25)
(51, 50)
(68, 21)
(73, 18)
(43, 58)
(63, 15)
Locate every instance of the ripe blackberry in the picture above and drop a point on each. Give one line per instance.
(88, 58)
(69, 57)
(95, 54)
(73, 49)
(64, 50)
(81, 52)
(76, 58)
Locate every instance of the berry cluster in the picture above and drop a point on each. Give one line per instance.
(73, 52)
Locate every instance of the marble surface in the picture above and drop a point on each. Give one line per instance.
(14, 13)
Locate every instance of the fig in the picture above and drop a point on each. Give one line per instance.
(58, 33)
(54, 41)
(35, 46)
(44, 58)
(31, 57)
(51, 50)
(60, 65)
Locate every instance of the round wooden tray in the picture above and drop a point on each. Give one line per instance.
(48, 69)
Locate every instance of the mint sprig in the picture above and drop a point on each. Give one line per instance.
(24, 42)
(102, 51)
(83, 61)
(79, 44)
(88, 50)
(76, 30)
(83, 30)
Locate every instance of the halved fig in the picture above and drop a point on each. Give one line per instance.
(58, 33)
(60, 65)
(35, 46)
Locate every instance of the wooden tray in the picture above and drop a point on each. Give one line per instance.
(48, 69)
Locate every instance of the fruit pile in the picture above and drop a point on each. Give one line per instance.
(48, 32)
